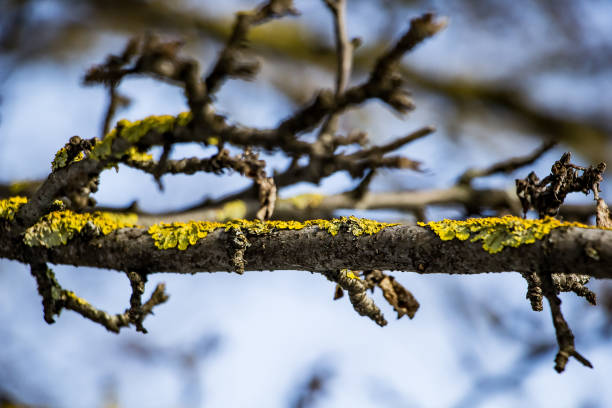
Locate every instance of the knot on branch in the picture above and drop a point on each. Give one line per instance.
(546, 195)
(358, 297)
(238, 245)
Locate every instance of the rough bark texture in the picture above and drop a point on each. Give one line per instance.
(404, 248)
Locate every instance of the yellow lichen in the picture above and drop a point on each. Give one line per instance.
(350, 274)
(134, 154)
(58, 227)
(304, 201)
(183, 118)
(232, 210)
(10, 206)
(181, 235)
(80, 301)
(497, 233)
(132, 132)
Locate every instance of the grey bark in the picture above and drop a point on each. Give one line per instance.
(402, 248)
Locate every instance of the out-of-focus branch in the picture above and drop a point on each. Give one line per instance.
(229, 63)
(506, 166)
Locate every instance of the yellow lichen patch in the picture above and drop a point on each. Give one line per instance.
(360, 226)
(80, 301)
(183, 118)
(181, 235)
(232, 210)
(132, 132)
(103, 148)
(134, 154)
(350, 274)
(10, 206)
(497, 233)
(304, 201)
(58, 227)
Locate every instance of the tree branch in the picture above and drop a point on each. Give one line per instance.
(402, 248)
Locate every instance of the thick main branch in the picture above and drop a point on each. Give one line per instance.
(405, 248)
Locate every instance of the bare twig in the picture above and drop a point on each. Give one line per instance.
(565, 337)
(506, 166)
(546, 285)
(55, 298)
(229, 63)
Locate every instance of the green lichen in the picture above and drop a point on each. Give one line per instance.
(10, 206)
(497, 233)
(58, 227)
(182, 235)
(61, 159)
(304, 201)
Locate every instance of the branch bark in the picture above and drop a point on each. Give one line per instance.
(402, 248)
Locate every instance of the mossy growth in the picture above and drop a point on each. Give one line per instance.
(497, 233)
(181, 235)
(58, 227)
(10, 206)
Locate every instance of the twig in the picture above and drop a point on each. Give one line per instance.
(565, 337)
(55, 298)
(506, 166)
(344, 58)
(544, 284)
